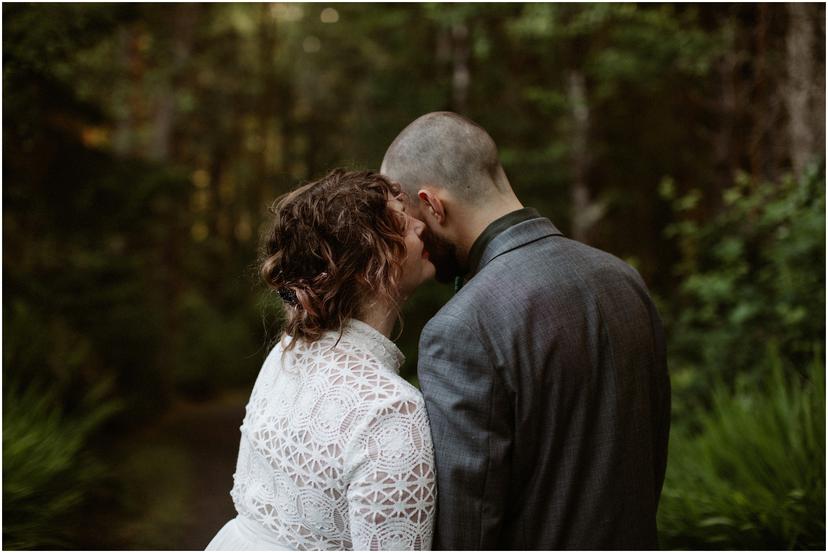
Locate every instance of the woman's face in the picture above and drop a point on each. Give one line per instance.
(417, 268)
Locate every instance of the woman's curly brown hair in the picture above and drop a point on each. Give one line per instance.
(335, 244)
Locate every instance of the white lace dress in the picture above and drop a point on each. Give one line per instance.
(335, 451)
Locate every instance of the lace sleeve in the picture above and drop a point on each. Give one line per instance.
(391, 494)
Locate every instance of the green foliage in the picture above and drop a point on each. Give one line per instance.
(751, 275)
(143, 141)
(641, 68)
(49, 472)
(746, 328)
(216, 350)
(753, 475)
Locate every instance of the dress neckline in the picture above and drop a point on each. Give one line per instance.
(369, 338)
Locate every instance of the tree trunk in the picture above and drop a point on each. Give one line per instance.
(460, 76)
(727, 112)
(184, 19)
(800, 97)
(585, 213)
(125, 124)
(760, 122)
(160, 149)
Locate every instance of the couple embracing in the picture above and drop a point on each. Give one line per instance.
(545, 407)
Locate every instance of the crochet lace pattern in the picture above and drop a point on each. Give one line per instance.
(336, 450)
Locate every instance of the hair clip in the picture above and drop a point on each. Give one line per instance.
(288, 296)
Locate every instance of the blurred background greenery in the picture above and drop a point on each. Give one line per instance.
(144, 142)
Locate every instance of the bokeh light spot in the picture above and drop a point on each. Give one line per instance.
(311, 44)
(329, 15)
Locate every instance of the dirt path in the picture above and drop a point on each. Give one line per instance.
(210, 433)
(176, 477)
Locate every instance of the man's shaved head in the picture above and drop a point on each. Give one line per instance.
(446, 150)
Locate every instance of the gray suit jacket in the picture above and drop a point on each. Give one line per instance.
(546, 386)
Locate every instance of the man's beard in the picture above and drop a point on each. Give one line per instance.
(443, 254)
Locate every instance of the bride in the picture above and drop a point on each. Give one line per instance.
(335, 449)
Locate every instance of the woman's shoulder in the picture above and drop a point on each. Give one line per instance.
(373, 379)
(372, 374)
(347, 364)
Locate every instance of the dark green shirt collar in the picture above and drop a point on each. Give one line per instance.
(495, 227)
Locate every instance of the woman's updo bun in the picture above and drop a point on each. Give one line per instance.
(334, 246)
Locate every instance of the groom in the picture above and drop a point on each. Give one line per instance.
(545, 376)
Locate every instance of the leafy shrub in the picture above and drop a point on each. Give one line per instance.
(746, 331)
(751, 275)
(48, 471)
(753, 476)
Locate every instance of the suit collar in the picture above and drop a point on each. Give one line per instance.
(496, 227)
(515, 236)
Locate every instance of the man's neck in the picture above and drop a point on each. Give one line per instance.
(479, 218)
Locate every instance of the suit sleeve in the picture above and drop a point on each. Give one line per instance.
(471, 427)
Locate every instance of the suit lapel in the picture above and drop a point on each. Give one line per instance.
(517, 236)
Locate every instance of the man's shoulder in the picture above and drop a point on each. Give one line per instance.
(455, 313)
(547, 264)
(476, 309)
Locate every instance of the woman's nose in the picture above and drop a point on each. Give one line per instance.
(419, 227)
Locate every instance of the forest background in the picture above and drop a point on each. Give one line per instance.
(143, 143)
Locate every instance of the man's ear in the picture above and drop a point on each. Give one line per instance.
(432, 205)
